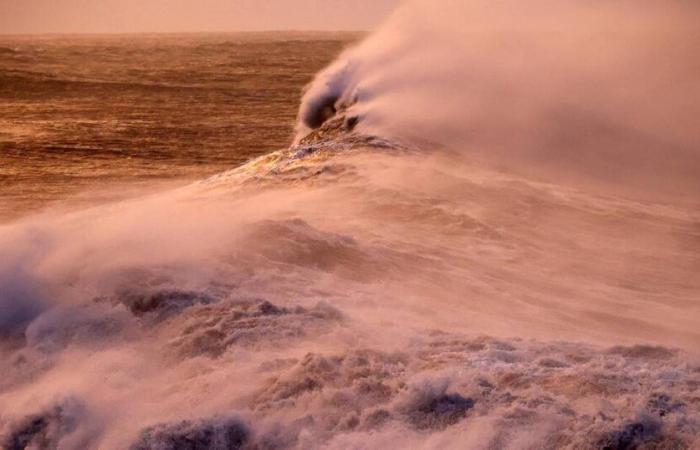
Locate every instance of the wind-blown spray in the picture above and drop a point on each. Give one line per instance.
(522, 275)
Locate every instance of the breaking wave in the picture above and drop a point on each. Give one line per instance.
(483, 236)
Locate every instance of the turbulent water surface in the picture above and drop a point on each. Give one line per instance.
(84, 112)
(479, 236)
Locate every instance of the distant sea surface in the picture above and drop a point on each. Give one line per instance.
(105, 114)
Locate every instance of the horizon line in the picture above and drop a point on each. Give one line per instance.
(173, 33)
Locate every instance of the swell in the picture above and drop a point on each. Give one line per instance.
(22, 82)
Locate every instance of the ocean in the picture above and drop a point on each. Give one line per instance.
(99, 115)
(467, 229)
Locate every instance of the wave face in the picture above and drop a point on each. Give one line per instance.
(438, 261)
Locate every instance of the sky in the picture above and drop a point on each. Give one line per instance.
(133, 16)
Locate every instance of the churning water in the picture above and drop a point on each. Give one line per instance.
(482, 235)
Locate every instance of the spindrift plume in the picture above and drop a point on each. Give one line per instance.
(592, 91)
(484, 235)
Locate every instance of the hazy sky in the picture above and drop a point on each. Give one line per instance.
(108, 16)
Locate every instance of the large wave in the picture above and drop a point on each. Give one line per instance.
(603, 91)
(485, 235)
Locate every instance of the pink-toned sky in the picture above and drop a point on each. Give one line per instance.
(110, 16)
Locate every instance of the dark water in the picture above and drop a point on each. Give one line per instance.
(89, 112)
